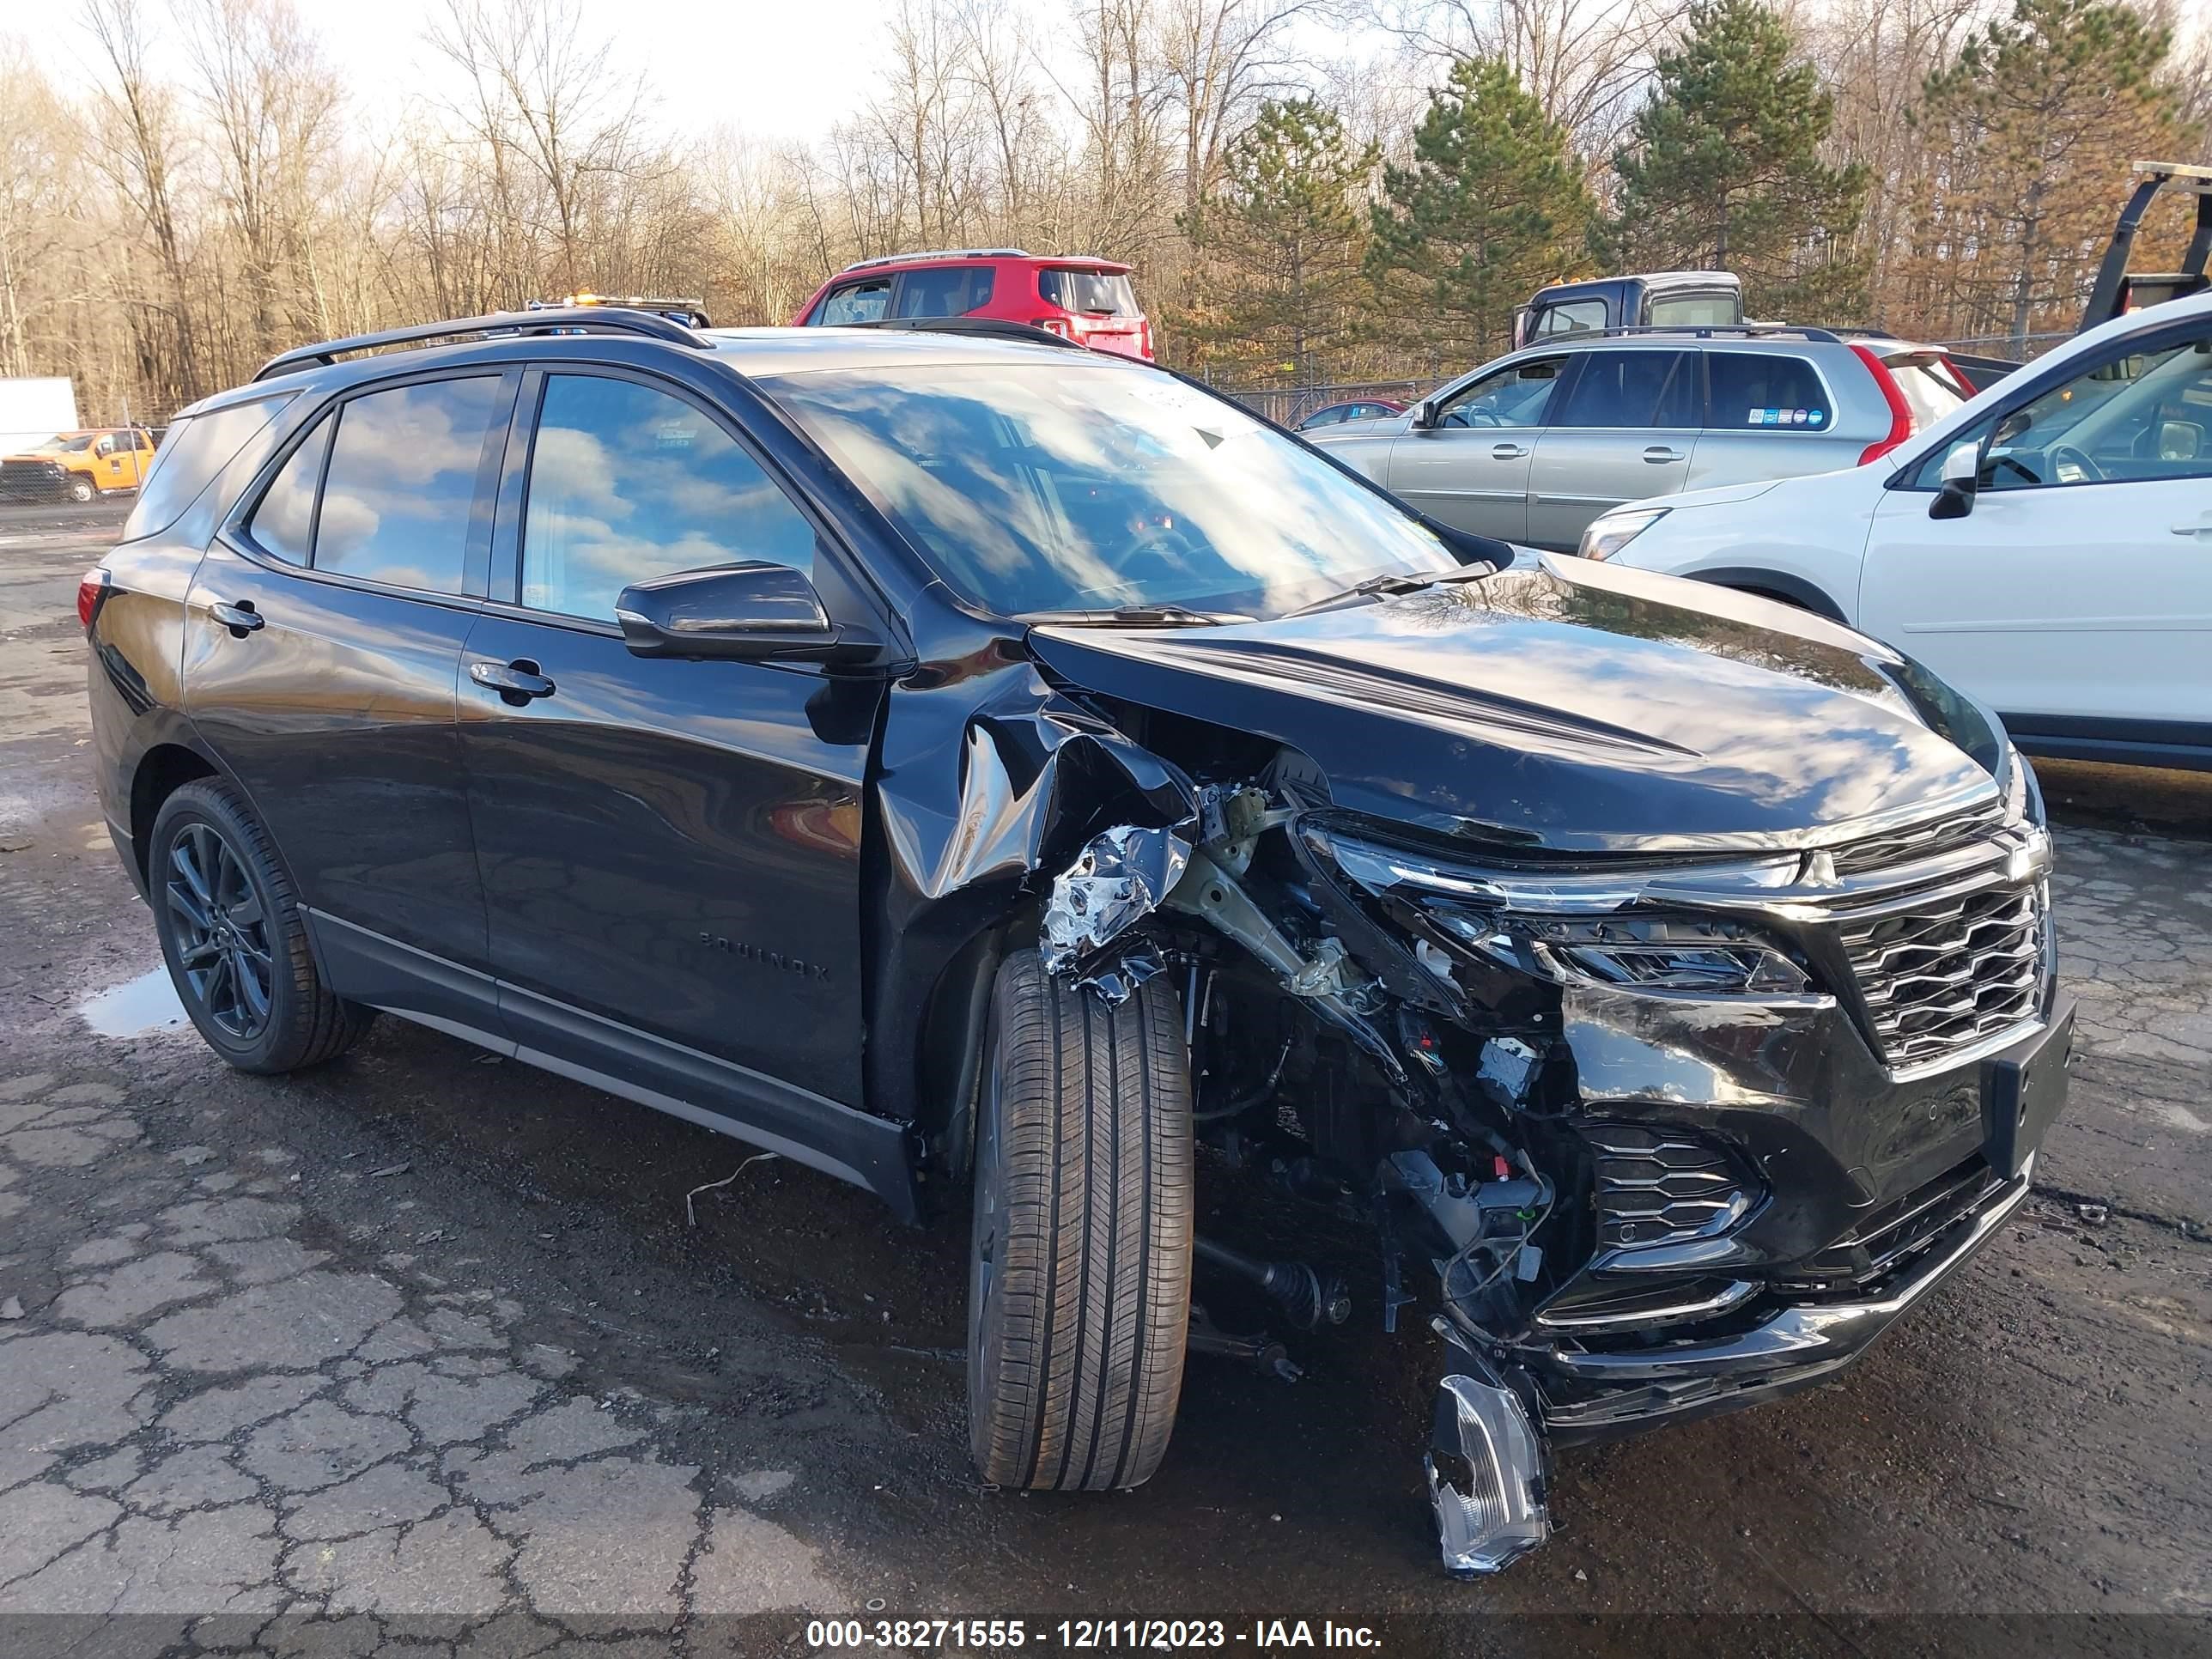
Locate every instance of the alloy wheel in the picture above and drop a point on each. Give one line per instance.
(222, 931)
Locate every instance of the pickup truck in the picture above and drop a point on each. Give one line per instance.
(1657, 299)
(78, 466)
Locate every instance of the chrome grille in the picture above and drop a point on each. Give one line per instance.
(1938, 977)
(1661, 1186)
(1920, 841)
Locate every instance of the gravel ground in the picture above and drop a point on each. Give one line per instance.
(421, 1352)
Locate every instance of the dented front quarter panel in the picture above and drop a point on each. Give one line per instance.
(987, 774)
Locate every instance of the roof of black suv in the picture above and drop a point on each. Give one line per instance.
(933, 341)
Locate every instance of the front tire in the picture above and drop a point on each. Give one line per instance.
(234, 939)
(1079, 1277)
(80, 489)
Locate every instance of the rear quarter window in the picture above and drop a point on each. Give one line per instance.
(1767, 391)
(194, 451)
(945, 291)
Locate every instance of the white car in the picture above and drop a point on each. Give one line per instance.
(2047, 547)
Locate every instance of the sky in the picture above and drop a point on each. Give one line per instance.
(773, 69)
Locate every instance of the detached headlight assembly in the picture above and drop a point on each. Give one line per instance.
(1609, 534)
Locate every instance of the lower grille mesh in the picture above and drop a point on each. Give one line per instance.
(1659, 1186)
(1939, 978)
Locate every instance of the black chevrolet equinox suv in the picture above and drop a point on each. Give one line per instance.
(961, 762)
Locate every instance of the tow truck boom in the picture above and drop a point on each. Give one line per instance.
(2116, 291)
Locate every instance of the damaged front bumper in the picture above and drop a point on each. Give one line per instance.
(1677, 1138)
(1592, 1393)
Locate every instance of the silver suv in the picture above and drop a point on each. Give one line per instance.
(1531, 447)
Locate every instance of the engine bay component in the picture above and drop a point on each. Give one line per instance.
(1259, 1351)
(1117, 880)
(1306, 1298)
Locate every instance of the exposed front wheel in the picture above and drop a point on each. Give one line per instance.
(1079, 1279)
(81, 489)
(234, 939)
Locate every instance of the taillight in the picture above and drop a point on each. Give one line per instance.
(90, 592)
(1059, 326)
(1900, 412)
(1145, 340)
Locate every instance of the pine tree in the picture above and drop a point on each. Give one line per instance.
(2036, 122)
(1722, 171)
(1493, 208)
(1284, 235)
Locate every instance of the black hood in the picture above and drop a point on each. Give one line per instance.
(1573, 706)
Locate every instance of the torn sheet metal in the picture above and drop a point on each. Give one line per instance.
(1118, 879)
(989, 778)
(1116, 977)
(1031, 767)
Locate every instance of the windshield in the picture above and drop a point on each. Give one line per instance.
(1054, 486)
(69, 443)
(1098, 292)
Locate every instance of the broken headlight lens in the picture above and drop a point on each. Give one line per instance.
(1697, 958)
(1585, 926)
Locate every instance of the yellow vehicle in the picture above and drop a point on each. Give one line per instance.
(78, 466)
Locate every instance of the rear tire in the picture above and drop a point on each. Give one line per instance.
(1079, 1277)
(234, 939)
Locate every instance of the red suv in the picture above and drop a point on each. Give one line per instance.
(1079, 298)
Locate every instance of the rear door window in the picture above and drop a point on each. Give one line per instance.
(193, 452)
(401, 484)
(945, 291)
(1632, 389)
(856, 302)
(1766, 390)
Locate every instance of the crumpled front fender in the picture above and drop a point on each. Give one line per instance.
(988, 774)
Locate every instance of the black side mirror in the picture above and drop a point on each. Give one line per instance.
(1962, 469)
(747, 612)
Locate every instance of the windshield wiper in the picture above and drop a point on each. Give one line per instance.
(1391, 583)
(1138, 616)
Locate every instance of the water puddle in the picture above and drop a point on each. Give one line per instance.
(135, 1008)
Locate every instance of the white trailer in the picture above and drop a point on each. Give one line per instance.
(33, 410)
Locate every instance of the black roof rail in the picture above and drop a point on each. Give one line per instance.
(1699, 330)
(601, 319)
(988, 328)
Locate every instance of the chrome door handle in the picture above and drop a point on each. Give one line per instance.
(240, 619)
(2203, 529)
(517, 682)
(1659, 454)
(1506, 452)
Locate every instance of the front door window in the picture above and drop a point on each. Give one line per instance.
(629, 482)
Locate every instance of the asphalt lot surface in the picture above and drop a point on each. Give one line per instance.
(420, 1351)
